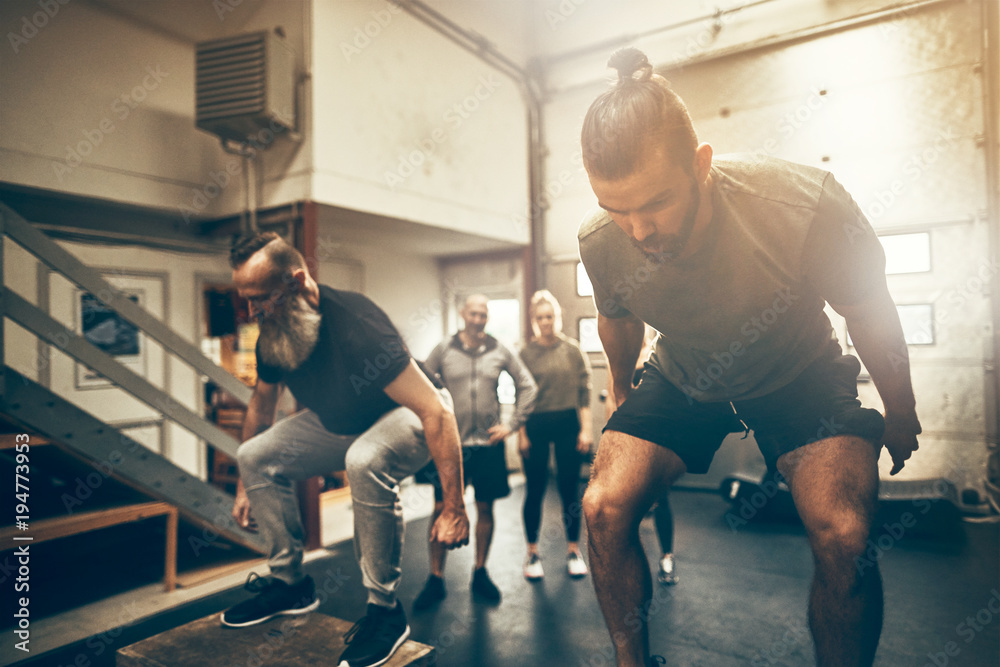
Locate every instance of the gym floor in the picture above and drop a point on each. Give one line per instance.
(740, 598)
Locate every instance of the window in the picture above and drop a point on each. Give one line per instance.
(917, 320)
(587, 335)
(918, 323)
(907, 253)
(583, 285)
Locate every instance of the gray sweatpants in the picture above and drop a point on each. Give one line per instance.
(298, 447)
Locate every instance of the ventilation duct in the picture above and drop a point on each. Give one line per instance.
(244, 85)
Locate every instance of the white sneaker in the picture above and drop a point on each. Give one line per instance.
(533, 568)
(577, 568)
(666, 575)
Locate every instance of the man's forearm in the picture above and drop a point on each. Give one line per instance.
(256, 422)
(583, 414)
(879, 341)
(622, 340)
(260, 410)
(443, 442)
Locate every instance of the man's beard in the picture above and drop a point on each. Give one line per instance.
(671, 247)
(288, 334)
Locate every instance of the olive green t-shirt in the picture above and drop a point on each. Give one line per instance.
(562, 373)
(743, 315)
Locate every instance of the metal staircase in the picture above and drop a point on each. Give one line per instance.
(38, 409)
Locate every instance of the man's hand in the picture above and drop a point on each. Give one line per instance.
(497, 433)
(523, 444)
(621, 393)
(241, 510)
(900, 438)
(583, 442)
(451, 529)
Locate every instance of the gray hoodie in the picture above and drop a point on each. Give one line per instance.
(472, 375)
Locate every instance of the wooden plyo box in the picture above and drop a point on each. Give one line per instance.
(285, 641)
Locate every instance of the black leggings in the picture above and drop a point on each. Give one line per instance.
(560, 428)
(664, 520)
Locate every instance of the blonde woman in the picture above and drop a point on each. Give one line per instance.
(561, 418)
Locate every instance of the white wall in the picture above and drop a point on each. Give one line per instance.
(406, 286)
(566, 27)
(408, 125)
(99, 104)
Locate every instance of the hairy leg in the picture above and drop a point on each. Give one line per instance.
(627, 475)
(484, 531)
(834, 483)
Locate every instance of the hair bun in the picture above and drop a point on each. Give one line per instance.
(628, 61)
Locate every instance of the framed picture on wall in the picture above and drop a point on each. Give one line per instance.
(109, 332)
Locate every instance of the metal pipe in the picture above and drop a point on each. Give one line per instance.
(802, 34)
(627, 39)
(991, 112)
(248, 216)
(480, 47)
(472, 42)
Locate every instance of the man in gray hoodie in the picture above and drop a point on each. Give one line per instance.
(470, 363)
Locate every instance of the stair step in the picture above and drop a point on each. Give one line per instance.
(285, 641)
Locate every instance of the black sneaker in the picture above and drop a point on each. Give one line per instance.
(483, 588)
(374, 638)
(433, 593)
(657, 660)
(273, 598)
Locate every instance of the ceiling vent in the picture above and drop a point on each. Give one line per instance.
(245, 87)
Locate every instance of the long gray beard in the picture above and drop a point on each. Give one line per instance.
(289, 334)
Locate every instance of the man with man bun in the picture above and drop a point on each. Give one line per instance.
(701, 248)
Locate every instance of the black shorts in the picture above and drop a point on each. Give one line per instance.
(821, 402)
(484, 467)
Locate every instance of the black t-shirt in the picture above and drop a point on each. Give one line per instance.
(358, 353)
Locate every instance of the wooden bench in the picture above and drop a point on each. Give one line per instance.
(284, 641)
(73, 524)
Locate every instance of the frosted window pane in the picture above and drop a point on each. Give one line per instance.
(583, 284)
(589, 340)
(907, 253)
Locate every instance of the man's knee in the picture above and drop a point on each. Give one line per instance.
(484, 510)
(839, 541)
(254, 454)
(606, 510)
(365, 460)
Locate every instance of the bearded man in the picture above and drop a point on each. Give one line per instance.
(370, 409)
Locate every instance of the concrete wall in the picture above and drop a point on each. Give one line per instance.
(409, 125)
(100, 103)
(405, 286)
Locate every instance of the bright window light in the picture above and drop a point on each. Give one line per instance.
(907, 253)
(589, 340)
(583, 284)
(918, 323)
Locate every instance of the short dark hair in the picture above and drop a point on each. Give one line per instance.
(640, 111)
(247, 246)
(283, 257)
